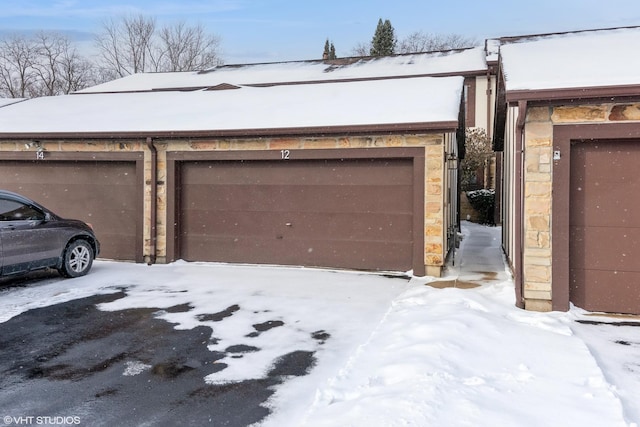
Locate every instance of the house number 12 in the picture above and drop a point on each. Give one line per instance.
(284, 154)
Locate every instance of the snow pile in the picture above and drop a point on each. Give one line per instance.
(483, 192)
(452, 357)
(135, 368)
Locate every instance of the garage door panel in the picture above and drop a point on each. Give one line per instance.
(334, 226)
(311, 172)
(605, 290)
(270, 198)
(70, 173)
(379, 227)
(586, 248)
(101, 193)
(114, 221)
(608, 206)
(610, 211)
(386, 256)
(332, 213)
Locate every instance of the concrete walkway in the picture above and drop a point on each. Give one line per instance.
(478, 260)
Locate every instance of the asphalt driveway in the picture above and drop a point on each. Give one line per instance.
(125, 368)
(153, 353)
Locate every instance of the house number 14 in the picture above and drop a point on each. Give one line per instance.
(284, 154)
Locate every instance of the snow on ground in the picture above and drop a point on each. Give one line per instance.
(468, 357)
(393, 352)
(616, 348)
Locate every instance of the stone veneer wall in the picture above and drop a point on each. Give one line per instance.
(435, 237)
(538, 175)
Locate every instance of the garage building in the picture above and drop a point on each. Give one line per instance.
(568, 125)
(347, 174)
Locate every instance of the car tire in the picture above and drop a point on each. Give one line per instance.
(77, 259)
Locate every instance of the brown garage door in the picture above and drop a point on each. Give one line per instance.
(100, 193)
(604, 254)
(331, 213)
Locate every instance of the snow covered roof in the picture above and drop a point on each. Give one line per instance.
(394, 102)
(456, 62)
(587, 59)
(9, 101)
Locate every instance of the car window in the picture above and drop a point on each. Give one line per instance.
(11, 210)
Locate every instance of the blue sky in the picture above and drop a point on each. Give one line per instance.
(277, 30)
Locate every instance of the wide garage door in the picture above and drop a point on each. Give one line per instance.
(605, 226)
(332, 213)
(100, 193)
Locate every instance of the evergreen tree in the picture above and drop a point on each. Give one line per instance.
(329, 50)
(325, 54)
(384, 40)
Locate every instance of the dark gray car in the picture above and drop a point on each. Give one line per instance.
(32, 237)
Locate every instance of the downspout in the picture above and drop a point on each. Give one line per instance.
(489, 92)
(497, 208)
(519, 189)
(154, 201)
(460, 146)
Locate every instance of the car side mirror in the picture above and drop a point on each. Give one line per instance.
(47, 217)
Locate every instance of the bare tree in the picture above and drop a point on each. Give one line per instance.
(419, 41)
(45, 64)
(58, 67)
(125, 44)
(130, 45)
(17, 54)
(183, 48)
(48, 48)
(361, 49)
(76, 72)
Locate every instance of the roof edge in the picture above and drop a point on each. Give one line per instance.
(595, 92)
(469, 73)
(315, 131)
(526, 37)
(346, 60)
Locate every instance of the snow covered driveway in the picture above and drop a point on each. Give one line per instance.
(285, 329)
(355, 349)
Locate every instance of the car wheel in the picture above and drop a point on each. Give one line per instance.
(78, 258)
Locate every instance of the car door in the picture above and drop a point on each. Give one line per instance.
(27, 240)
